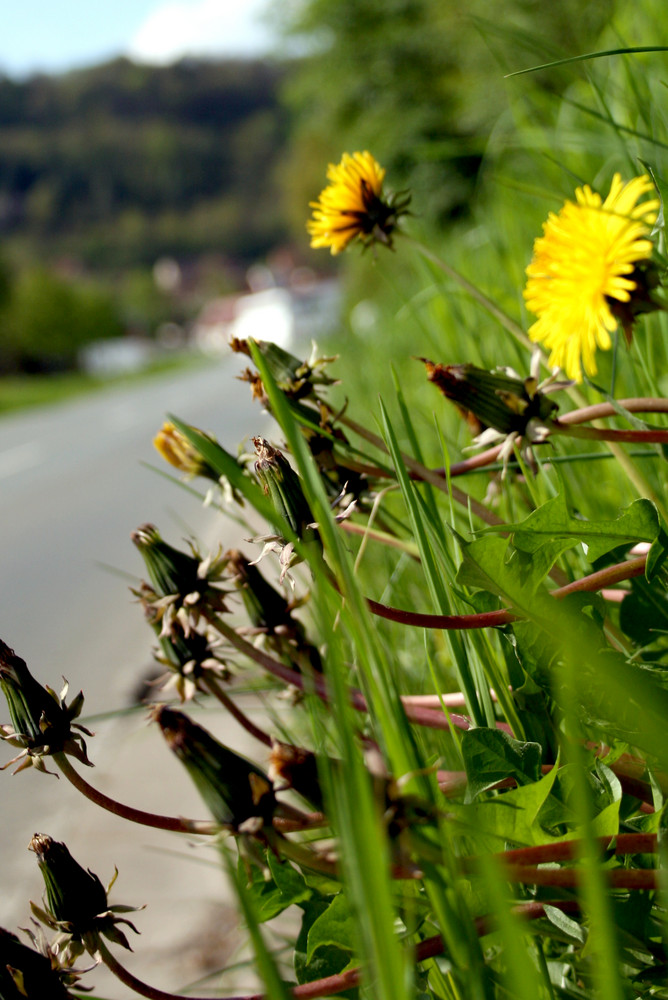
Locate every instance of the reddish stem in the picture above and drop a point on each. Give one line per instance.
(176, 824)
(428, 717)
(571, 878)
(491, 619)
(599, 410)
(656, 436)
(566, 850)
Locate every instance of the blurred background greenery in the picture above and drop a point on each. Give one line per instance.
(113, 174)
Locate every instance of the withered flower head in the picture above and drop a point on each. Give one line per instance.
(182, 585)
(497, 398)
(293, 515)
(270, 614)
(506, 406)
(284, 487)
(188, 658)
(176, 449)
(297, 379)
(75, 901)
(42, 721)
(27, 974)
(267, 608)
(237, 793)
(296, 768)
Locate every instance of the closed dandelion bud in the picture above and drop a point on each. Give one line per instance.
(170, 571)
(497, 399)
(188, 659)
(283, 486)
(76, 901)
(236, 792)
(296, 768)
(25, 974)
(74, 895)
(265, 606)
(181, 582)
(296, 379)
(42, 720)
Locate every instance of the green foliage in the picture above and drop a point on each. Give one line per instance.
(482, 719)
(419, 82)
(121, 164)
(48, 319)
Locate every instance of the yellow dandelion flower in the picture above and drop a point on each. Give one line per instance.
(354, 206)
(587, 272)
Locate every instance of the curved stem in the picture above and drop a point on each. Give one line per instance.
(600, 410)
(135, 984)
(605, 577)
(571, 878)
(422, 716)
(656, 436)
(176, 824)
(421, 471)
(566, 850)
(485, 619)
(215, 689)
(491, 619)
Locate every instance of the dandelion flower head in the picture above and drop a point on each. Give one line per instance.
(583, 267)
(353, 205)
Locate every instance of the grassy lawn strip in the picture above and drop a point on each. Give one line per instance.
(18, 392)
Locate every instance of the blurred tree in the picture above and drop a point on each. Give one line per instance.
(98, 163)
(47, 319)
(419, 83)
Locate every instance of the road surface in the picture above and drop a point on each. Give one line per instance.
(72, 488)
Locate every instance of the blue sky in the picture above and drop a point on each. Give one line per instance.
(56, 35)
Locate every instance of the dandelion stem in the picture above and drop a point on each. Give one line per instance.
(135, 984)
(571, 878)
(566, 850)
(435, 478)
(416, 713)
(215, 689)
(600, 410)
(654, 436)
(176, 824)
(492, 619)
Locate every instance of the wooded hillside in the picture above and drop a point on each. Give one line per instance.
(122, 163)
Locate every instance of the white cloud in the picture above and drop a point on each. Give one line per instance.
(201, 28)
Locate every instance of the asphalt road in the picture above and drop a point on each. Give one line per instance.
(72, 488)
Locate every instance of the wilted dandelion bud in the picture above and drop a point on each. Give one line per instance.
(266, 607)
(296, 768)
(271, 614)
(237, 793)
(26, 974)
(181, 583)
(284, 488)
(41, 719)
(188, 659)
(498, 399)
(296, 379)
(176, 449)
(75, 900)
